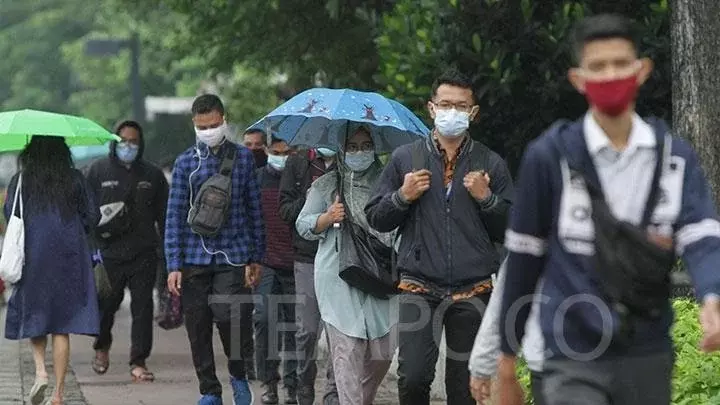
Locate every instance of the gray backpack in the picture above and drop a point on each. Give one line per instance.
(210, 209)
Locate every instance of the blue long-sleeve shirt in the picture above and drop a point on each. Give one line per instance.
(242, 238)
(550, 235)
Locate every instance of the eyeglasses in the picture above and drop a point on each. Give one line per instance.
(364, 147)
(446, 105)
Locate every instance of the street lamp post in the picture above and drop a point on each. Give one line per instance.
(105, 47)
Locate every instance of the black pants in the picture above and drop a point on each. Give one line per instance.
(139, 276)
(422, 318)
(216, 294)
(274, 327)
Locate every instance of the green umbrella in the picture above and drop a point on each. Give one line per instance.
(17, 127)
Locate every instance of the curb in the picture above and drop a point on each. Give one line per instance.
(73, 393)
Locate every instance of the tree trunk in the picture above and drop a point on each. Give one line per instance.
(695, 33)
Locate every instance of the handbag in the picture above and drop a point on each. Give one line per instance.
(170, 314)
(102, 281)
(116, 217)
(12, 258)
(365, 262)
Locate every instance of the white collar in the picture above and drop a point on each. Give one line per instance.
(642, 135)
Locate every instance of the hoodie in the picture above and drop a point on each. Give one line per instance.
(109, 178)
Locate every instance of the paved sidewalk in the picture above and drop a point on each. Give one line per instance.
(17, 372)
(11, 390)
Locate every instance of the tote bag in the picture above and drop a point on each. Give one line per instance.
(12, 257)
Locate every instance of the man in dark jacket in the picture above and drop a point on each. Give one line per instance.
(450, 197)
(132, 195)
(300, 171)
(274, 305)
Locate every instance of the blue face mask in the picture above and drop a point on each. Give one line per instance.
(277, 162)
(126, 152)
(359, 161)
(325, 152)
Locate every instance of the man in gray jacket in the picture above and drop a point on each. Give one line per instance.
(486, 351)
(449, 196)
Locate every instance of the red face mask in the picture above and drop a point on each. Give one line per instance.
(612, 97)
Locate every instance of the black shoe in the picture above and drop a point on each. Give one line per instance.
(270, 396)
(290, 395)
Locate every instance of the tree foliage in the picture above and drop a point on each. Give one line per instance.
(516, 52)
(33, 73)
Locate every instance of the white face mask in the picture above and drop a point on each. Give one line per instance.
(212, 136)
(277, 162)
(451, 123)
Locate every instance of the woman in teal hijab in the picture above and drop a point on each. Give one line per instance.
(360, 327)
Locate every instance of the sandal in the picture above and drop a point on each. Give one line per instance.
(101, 363)
(141, 374)
(37, 392)
(52, 401)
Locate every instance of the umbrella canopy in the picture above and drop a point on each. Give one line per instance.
(319, 117)
(17, 127)
(83, 155)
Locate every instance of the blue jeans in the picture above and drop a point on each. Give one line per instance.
(274, 319)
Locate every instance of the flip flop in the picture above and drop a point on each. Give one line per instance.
(37, 392)
(142, 376)
(101, 363)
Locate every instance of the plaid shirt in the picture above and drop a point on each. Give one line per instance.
(242, 238)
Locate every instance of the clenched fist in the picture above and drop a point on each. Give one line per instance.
(478, 184)
(415, 184)
(336, 212)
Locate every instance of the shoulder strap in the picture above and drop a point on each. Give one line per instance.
(592, 180)
(662, 151)
(228, 161)
(18, 196)
(418, 151)
(479, 157)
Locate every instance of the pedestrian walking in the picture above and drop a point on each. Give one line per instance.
(603, 253)
(214, 244)
(358, 324)
(300, 172)
(254, 139)
(132, 194)
(275, 295)
(449, 196)
(56, 295)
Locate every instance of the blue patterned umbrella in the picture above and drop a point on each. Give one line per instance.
(323, 117)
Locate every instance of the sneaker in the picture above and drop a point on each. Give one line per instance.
(290, 395)
(241, 392)
(270, 396)
(210, 400)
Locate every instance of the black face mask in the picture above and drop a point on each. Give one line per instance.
(260, 157)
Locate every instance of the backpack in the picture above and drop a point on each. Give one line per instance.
(210, 209)
(479, 161)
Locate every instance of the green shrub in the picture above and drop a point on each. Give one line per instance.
(696, 376)
(695, 379)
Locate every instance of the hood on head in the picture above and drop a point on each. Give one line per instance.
(118, 127)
